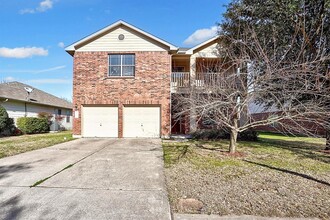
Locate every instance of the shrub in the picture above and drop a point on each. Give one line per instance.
(3, 118)
(248, 135)
(30, 125)
(6, 123)
(214, 134)
(45, 115)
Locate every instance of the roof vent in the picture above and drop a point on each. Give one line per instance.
(121, 37)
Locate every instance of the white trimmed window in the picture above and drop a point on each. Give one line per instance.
(121, 65)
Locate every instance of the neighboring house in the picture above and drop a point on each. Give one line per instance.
(21, 100)
(259, 112)
(124, 80)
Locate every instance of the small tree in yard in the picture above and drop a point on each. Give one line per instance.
(6, 123)
(280, 74)
(3, 119)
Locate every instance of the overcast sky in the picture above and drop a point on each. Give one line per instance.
(33, 33)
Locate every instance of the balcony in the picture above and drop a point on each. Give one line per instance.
(181, 81)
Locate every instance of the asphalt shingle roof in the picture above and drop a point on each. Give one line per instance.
(16, 91)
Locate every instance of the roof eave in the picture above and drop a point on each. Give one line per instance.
(191, 50)
(37, 103)
(72, 48)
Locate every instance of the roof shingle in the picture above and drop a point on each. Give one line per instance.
(16, 91)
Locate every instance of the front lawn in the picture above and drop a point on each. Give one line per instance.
(276, 176)
(19, 144)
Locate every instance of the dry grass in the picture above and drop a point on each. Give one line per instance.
(276, 176)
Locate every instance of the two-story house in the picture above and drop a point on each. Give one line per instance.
(124, 80)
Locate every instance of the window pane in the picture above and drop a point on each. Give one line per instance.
(114, 60)
(114, 70)
(128, 60)
(128, 70)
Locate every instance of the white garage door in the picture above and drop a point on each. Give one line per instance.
(100, 121)
(141, 122)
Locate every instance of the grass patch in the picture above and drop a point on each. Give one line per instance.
(10, 146)
(198, 153)
(294, 153)
(43, 180)
(277, 175)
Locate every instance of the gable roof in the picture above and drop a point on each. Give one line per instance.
(16, 91)
(191, 50)
(71, 49)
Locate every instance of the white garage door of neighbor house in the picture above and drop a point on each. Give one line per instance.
(100, 121)
(141, 122)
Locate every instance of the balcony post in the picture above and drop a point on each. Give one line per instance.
(193, 114)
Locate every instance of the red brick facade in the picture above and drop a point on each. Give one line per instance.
(150, 86)
(287, 126)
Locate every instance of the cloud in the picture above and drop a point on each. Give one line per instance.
(27, 11)
(201, 35)
(48, 81)
(34, 71)
(22, 52)
(61, 45)
(50, 69)
(43, 6)
(9, 79)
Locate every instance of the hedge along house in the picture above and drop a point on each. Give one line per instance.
(21, 100)
(124, 79)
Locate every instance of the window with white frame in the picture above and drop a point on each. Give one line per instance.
(121, 65)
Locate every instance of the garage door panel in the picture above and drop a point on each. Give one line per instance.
(100, 121)
(141, 122)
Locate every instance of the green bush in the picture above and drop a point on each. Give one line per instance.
(6, 124)
(248, 135)
(214, 134)
(30, 125)
(3, 118)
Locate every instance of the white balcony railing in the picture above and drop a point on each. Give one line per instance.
(180, 80)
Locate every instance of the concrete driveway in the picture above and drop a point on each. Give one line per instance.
(86, 179)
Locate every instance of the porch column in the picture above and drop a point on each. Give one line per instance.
(193, 115)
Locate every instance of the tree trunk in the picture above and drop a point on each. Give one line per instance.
(327, 135)
(233, 137)
(193, 120)
(233, 141)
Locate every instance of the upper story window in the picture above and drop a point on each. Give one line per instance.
(122, 65)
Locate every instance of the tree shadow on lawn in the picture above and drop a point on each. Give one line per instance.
(289, 172)
(173, 154)
(300, 148)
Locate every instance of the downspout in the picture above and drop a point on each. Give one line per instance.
(25, 106)
(170, 69)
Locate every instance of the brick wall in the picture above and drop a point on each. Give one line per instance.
(288, 126)
(150, 86)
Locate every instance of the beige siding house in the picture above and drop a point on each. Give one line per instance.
(21, 100)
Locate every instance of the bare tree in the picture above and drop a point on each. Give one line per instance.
(246, 74)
